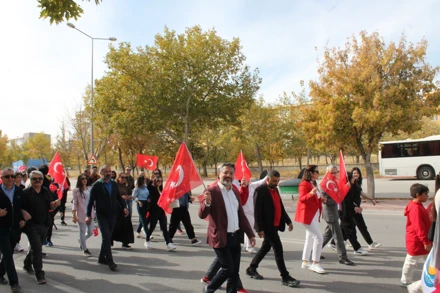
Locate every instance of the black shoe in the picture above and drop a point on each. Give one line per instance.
(346, 261)
(251, 272)
(103, 261)
(40, 278)
(63, 223)
(43, 254)
(29, 270)
(126, 246)
(3, 281)
(322, 257)
(290, 282)
(15, 288)
(112, 266)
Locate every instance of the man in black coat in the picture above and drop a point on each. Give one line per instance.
(105, 196)
(11, 220)
(270, 217)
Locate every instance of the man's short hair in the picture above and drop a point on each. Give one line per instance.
(222, 165)
(330, 167)
(418, 188)
(8, 169)
(36, 172)
(273, 173)
(103, 167)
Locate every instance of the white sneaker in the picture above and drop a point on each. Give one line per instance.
(348, 244)
(316, 267)
(374, 245)
(305, 265)
(148, 245)
(171, 247)
(251, 250)
(18, 248)
(139, 235)
(360, 251)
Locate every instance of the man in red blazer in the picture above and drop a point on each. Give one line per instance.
(226, 228)
(270, 217)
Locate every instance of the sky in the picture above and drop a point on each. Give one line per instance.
(44, 69)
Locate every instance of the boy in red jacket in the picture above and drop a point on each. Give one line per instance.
(417, 227)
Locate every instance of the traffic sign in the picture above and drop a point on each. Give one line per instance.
(93, 160)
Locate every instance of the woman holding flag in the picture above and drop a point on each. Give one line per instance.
(308, 212)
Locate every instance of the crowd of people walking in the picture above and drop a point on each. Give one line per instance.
(237, 212)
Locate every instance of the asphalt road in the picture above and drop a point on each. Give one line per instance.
(157, 270)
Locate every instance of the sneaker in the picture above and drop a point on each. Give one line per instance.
(139, 235)
(152, 237)
(347, 244)
(242, 290)
(360, 251)
(87, 253)
(332, 246)
(15, 288)
(251, 272)
(290, 282)
(45, 242)
(29, 270)
(112, 266)
(316, 267)
(40, 278)
(374, 245)
(251, 250)
(18, 248)
(148, 245)
(126, 246)
(196, 242)
(49, 243)
(305, 265)
(404, 285)
(171, 247)
(63, 223)
(205, 281)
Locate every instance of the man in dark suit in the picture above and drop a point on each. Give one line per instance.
(270, 217)
(105, 196)
(226, 228)
(330, 213)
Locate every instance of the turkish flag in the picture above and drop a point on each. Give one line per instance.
(147, 162)
(329, 185)
(242, 169)
(183, 178)
(343, 187)
(22, 168)
(56, 171)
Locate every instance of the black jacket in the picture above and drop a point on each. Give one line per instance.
(264, 211)
(106, 204)
(12, 219)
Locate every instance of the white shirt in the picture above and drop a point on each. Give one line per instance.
(249, 206)
(231, 204)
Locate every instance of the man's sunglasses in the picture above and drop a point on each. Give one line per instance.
(37, 178)
(8, 176)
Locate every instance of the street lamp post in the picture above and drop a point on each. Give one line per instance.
(71, 25)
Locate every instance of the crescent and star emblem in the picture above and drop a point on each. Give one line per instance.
(330, 182)
(151, 162)
(181, 175)
(56, 168)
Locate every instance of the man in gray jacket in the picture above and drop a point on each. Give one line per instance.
(330, 213)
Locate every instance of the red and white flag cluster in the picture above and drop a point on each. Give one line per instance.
(336, 189)
(56, 171)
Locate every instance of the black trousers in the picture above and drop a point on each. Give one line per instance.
(36, 234)
(63, 205)
(213, 270)
(181, 214)
(50, 227)
(157, 214)
(271, 240)
(360, 224)
(8, 239)
(106, 225)
(349, 229)
(229, 258)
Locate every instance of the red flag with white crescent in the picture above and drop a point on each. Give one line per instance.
(56, 171)
(147, 162)
(329, 184)
(242, 169)
(183, 178)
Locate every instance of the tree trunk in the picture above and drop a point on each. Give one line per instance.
(357, 159)
(121, 162)
(370, 175)
(308, 157)
(260, 163)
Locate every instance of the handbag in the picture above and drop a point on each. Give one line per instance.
(431, 232)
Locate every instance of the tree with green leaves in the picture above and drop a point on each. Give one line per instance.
(61, 10)
(38, 147)
(369, 88)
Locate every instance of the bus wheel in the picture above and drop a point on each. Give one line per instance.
(425, 173)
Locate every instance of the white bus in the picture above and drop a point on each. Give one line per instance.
(411, 157)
